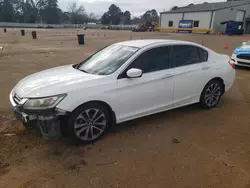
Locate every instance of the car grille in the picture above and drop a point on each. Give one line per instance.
(243, 63)
(16, 99)
(247, 57)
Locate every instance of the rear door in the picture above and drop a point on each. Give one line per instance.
(189, 63)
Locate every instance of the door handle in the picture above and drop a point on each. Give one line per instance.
(205, 68)
(167, 76)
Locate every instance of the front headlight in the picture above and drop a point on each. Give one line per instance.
(43, 103)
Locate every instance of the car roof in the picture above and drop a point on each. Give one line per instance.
(147, 42)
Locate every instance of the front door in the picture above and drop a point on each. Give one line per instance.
(150, 93)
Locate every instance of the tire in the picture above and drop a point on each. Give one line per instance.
(211, 94)
(88, 123)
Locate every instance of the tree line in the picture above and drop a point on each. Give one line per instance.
(42, 11)
(115, 16)
(48, 11)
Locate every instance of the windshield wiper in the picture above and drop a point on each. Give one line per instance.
(83, 70)
(77, 68)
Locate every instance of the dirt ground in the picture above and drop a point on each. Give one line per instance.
(214, 147)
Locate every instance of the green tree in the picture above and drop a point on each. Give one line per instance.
(29, 12)
(127, 17)
(49, 11)
(174, 8)
(115, 14)
(112, 16)
(92, 17)
(65, 17)
(150, 16)
(7, 11)
(137, 20)
(105, 18)
(1, 11)
(77, 13)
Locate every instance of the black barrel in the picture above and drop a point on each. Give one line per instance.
(5, 30)
(22, 32)
(80, 38)
(33, 33)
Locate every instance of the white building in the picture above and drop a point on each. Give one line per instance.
(208, 15)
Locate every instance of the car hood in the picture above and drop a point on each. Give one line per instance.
(245, 49)
(54, 81)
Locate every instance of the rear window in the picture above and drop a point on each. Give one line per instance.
(203, 55)
(185, 55)
(188, 54)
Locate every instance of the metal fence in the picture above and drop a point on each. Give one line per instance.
(37, 25)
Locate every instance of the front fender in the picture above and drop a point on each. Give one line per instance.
(105, 93)
(70, 105)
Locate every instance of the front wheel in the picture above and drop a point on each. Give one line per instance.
(89, 122)
(211, 94)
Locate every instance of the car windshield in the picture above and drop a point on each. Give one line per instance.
(107, 60)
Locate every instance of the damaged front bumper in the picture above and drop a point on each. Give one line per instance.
(47, 121)
(40, 115)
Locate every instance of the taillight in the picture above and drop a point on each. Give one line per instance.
(232, 64)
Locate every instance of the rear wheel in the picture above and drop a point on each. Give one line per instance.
(211, 94)
(89, 122)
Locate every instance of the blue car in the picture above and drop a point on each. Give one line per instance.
(241, 55)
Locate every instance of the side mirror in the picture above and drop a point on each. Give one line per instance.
(134, 73)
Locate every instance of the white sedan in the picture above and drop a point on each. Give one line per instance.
(121, 82)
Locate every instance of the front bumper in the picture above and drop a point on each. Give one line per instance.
(240, 62)
(23, 116)
(29, 115)
(47, 121)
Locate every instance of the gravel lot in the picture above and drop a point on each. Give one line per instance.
(214, 147)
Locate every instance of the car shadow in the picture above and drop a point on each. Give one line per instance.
(242, 68)
(156, 118)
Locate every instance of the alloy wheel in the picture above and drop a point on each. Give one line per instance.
(90, 124)
(212, 94)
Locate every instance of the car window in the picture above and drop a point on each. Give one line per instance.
(155, 59)
(186, 55)
(203, 55)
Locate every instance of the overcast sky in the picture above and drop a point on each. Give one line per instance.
(136, 7)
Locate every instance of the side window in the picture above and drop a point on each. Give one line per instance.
(196, 23)
(170, 24)
(155, 59)
(186, 55)
(152, 60)
(203, 55)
